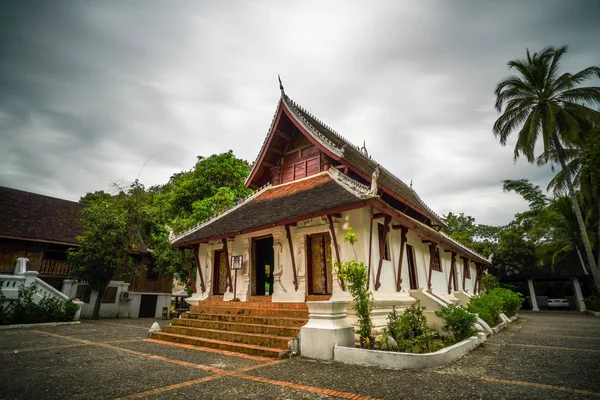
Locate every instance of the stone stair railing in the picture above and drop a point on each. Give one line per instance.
(9, 284)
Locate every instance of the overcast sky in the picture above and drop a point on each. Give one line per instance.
(90, 91)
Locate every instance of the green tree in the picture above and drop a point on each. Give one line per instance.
(103, 248)
(479, 237)
(541, 103)
(213, 185)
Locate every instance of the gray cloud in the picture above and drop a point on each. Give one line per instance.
(91, 90)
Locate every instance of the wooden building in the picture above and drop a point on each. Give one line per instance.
(311, 186)
(43, 228)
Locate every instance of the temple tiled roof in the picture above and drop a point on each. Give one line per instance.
(275, 204)
(298, 200)
(352, 154)
(34, 216)
(342, 147)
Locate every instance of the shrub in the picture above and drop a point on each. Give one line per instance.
(592, 303)
(486, 306)
(23, 309)
(355, 274)
(414, 320)
(511, 301)
(489, 282)
(457, 321)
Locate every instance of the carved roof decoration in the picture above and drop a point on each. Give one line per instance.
(341, 147)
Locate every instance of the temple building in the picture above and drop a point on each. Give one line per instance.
(277, 249)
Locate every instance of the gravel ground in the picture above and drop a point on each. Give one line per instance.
(108, 359)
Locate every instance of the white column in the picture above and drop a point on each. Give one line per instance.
(327, 327)
(67, 286)
(21, 266)
(532, 294)
(579, 303)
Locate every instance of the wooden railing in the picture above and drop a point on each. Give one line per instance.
(54, 268)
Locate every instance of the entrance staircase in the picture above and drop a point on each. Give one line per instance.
(256, 327)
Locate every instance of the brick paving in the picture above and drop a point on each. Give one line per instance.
(552, 355)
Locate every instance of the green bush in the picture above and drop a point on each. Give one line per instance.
(414, 320)
(499, 300)
(23, 309)
(592, 303)
(457, 321)
(511, 301)
(489, 282)
(355, 274)
(487, 307)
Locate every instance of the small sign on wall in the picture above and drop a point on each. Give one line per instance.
(236, 262)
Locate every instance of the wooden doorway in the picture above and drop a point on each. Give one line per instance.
(412, 270)
(263, 262)
(320, 280)
(220, 272)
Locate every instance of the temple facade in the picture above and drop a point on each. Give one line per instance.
(312, 185)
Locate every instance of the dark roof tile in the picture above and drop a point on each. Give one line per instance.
(38, 217)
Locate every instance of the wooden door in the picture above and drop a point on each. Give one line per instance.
(319, 264)
(220, 273)
(412, 270)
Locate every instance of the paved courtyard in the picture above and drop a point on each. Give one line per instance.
(543, 356)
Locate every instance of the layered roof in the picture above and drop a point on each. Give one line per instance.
(347, 153)
(277, 205)
(31, 216)
(321, 194)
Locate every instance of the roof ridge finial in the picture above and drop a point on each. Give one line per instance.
(363, 149)
(281, 85)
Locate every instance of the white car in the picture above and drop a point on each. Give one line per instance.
(558, 303)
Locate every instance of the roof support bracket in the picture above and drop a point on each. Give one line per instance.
(451, 277)
(335, 246)
(229, 280)
(382, 244)
(189, 271)
(289, 238)
(432, 254)
(196, 250)
(403, 232)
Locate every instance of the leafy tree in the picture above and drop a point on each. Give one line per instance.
(103, 248)
(213, 185)
(550, 106)
(514, 252)
(479, 237)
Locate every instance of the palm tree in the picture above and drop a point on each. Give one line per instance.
(546, 105)
(583, 170)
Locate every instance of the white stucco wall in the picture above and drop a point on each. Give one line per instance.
(121, 308)
(359, 219)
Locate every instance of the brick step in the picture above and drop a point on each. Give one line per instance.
(251, 304)
(262, 299)
(221, 345)
(318, 297)
(269, 329)
(256, 339)
(253, 311)
(248, 319)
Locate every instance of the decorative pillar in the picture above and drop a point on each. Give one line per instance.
(21, 266)
(300, 241)
(327, 327)
(244, 288)
(279, 290)
(579, 303)
(534, 305)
